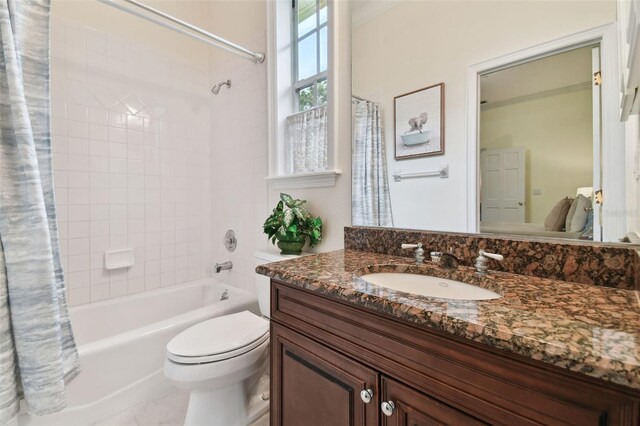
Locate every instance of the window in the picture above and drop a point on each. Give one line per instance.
(303, 129)
(306, 148)
(310, 53)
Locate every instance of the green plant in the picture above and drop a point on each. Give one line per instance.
(290, 221)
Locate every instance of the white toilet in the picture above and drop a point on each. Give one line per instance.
(220, 361)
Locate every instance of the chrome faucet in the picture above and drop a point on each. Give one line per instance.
(483, 259)
(222, 266)
(418, 254)
(449, 261)
(446, 260)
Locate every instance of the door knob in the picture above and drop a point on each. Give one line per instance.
(388, 408)
(520, 203)
(366, 395)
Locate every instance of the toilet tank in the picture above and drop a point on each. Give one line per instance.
(263, 283)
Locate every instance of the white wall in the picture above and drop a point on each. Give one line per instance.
(556, 131)
(239, 139)
(420, 43)
(132, 158)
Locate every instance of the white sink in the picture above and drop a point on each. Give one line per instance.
(425, 285)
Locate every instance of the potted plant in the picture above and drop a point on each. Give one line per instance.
(291, 225)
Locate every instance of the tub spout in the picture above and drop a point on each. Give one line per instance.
(222, 266)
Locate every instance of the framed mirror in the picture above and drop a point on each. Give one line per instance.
(535, 146)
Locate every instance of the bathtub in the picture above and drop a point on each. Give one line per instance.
(122, 345)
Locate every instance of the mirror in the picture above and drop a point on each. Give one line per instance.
(524, 152)
(537, 162)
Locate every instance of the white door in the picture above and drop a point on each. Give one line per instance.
(502, 186)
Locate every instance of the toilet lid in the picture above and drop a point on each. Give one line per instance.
(219, 338)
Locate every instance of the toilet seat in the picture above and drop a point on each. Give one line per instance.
(219, 339)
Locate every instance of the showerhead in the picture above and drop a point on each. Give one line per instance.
(216, 89)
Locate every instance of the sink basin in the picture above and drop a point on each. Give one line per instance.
(425, 285)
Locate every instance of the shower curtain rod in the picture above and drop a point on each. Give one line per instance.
(183, 28)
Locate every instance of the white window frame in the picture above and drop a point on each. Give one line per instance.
(281, 102)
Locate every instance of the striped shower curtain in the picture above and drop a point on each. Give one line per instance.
(371, 202)
(37, 351)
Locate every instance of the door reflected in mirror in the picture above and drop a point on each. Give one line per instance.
(539, 131)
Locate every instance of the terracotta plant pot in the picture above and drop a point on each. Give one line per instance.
(291, 247)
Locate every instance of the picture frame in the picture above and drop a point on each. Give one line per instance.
(419, 123)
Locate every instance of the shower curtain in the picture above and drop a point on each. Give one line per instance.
(37, 351)
(371, 203)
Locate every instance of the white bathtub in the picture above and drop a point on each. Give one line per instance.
(122, 346)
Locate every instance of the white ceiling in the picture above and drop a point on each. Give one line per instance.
(553, 72)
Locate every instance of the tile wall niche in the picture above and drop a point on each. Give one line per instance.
(132, 162)
(239, 162)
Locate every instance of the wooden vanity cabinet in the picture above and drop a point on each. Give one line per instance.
(412, 408)
(324, 353)
(318, 386)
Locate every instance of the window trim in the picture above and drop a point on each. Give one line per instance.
(301, 84)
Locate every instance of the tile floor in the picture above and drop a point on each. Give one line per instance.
(168, 410)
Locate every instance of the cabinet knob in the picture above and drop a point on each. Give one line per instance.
(366, 395)
(388, 408)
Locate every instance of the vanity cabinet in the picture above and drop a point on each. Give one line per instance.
(412, 408)
(334, 363)
(319, 386)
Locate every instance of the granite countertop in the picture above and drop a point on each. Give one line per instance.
(583, 328)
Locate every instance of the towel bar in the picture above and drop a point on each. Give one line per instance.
(443, 173)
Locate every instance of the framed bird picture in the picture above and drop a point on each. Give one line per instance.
(419, 123)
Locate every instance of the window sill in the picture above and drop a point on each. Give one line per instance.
(325, 179)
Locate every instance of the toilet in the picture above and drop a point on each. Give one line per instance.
(219, 361)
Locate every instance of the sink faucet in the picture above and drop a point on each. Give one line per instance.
(418, 254)
(449, 261)
(483, 259)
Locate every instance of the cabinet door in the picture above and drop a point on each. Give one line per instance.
(313, 385)
(407, 407)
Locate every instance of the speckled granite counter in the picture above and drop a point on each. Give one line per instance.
(583, 328)
(585, 262)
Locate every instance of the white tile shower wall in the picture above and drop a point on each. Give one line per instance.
(239, 163)
(132, 162)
